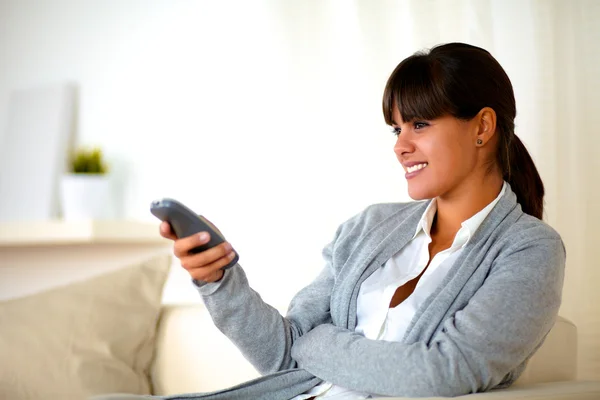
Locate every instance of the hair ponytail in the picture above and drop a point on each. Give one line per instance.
(519, 170)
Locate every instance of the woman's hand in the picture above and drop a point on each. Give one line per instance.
(204, 266)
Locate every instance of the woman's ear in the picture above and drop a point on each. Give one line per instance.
(486, 126)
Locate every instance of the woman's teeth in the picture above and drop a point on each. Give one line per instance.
(416, 167)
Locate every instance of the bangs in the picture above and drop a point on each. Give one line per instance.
(417, 89)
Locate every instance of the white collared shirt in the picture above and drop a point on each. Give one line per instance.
(375, 319)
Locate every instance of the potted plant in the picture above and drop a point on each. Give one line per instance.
(85, 190)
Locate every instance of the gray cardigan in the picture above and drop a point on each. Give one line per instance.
(474, 333)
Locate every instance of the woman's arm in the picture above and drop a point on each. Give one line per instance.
(502, 325)
(260, 332)
(256, 328)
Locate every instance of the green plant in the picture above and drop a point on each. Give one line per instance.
(86, 161)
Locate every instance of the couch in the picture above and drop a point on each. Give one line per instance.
(192, 355)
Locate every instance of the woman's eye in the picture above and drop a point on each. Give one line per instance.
(395, 131)
(420, 125)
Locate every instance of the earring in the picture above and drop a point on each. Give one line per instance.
(479, 142)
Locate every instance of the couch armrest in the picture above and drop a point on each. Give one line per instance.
(568, 390)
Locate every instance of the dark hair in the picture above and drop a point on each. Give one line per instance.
(459, 79)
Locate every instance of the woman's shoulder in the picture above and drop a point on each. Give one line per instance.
(382, 216)
(374, 214)
(529, 228)
(382, 211)
(527, 235)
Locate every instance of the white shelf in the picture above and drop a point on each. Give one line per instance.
(52, 233)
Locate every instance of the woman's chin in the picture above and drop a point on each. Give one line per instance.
(417, 192)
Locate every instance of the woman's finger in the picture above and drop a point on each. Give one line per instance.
(190, 261)
(212, 272)
(183, 246)
(165, 231)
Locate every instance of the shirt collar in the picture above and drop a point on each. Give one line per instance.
(468, 227)
(427, 219)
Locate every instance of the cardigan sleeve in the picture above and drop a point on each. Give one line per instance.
(502, 325)
(262, 334)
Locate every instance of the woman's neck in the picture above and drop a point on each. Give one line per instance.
(455, 208)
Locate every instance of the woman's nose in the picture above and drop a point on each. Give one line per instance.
(403, 145)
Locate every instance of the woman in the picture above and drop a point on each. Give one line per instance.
(441, 297)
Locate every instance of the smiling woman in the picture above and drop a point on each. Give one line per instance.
(442, 297)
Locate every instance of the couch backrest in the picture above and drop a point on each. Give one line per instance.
(192, 355)
(556, 360)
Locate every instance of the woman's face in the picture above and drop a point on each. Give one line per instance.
(437, 155)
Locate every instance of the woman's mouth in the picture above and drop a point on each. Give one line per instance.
(415, 169)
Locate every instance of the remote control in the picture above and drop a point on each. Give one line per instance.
(184, 222)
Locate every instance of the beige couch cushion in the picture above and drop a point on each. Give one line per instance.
(556, 360)
(194, 356)
(89, 337)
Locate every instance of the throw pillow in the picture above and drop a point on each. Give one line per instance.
(90, 337)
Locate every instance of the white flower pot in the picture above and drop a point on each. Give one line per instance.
(86, 196)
